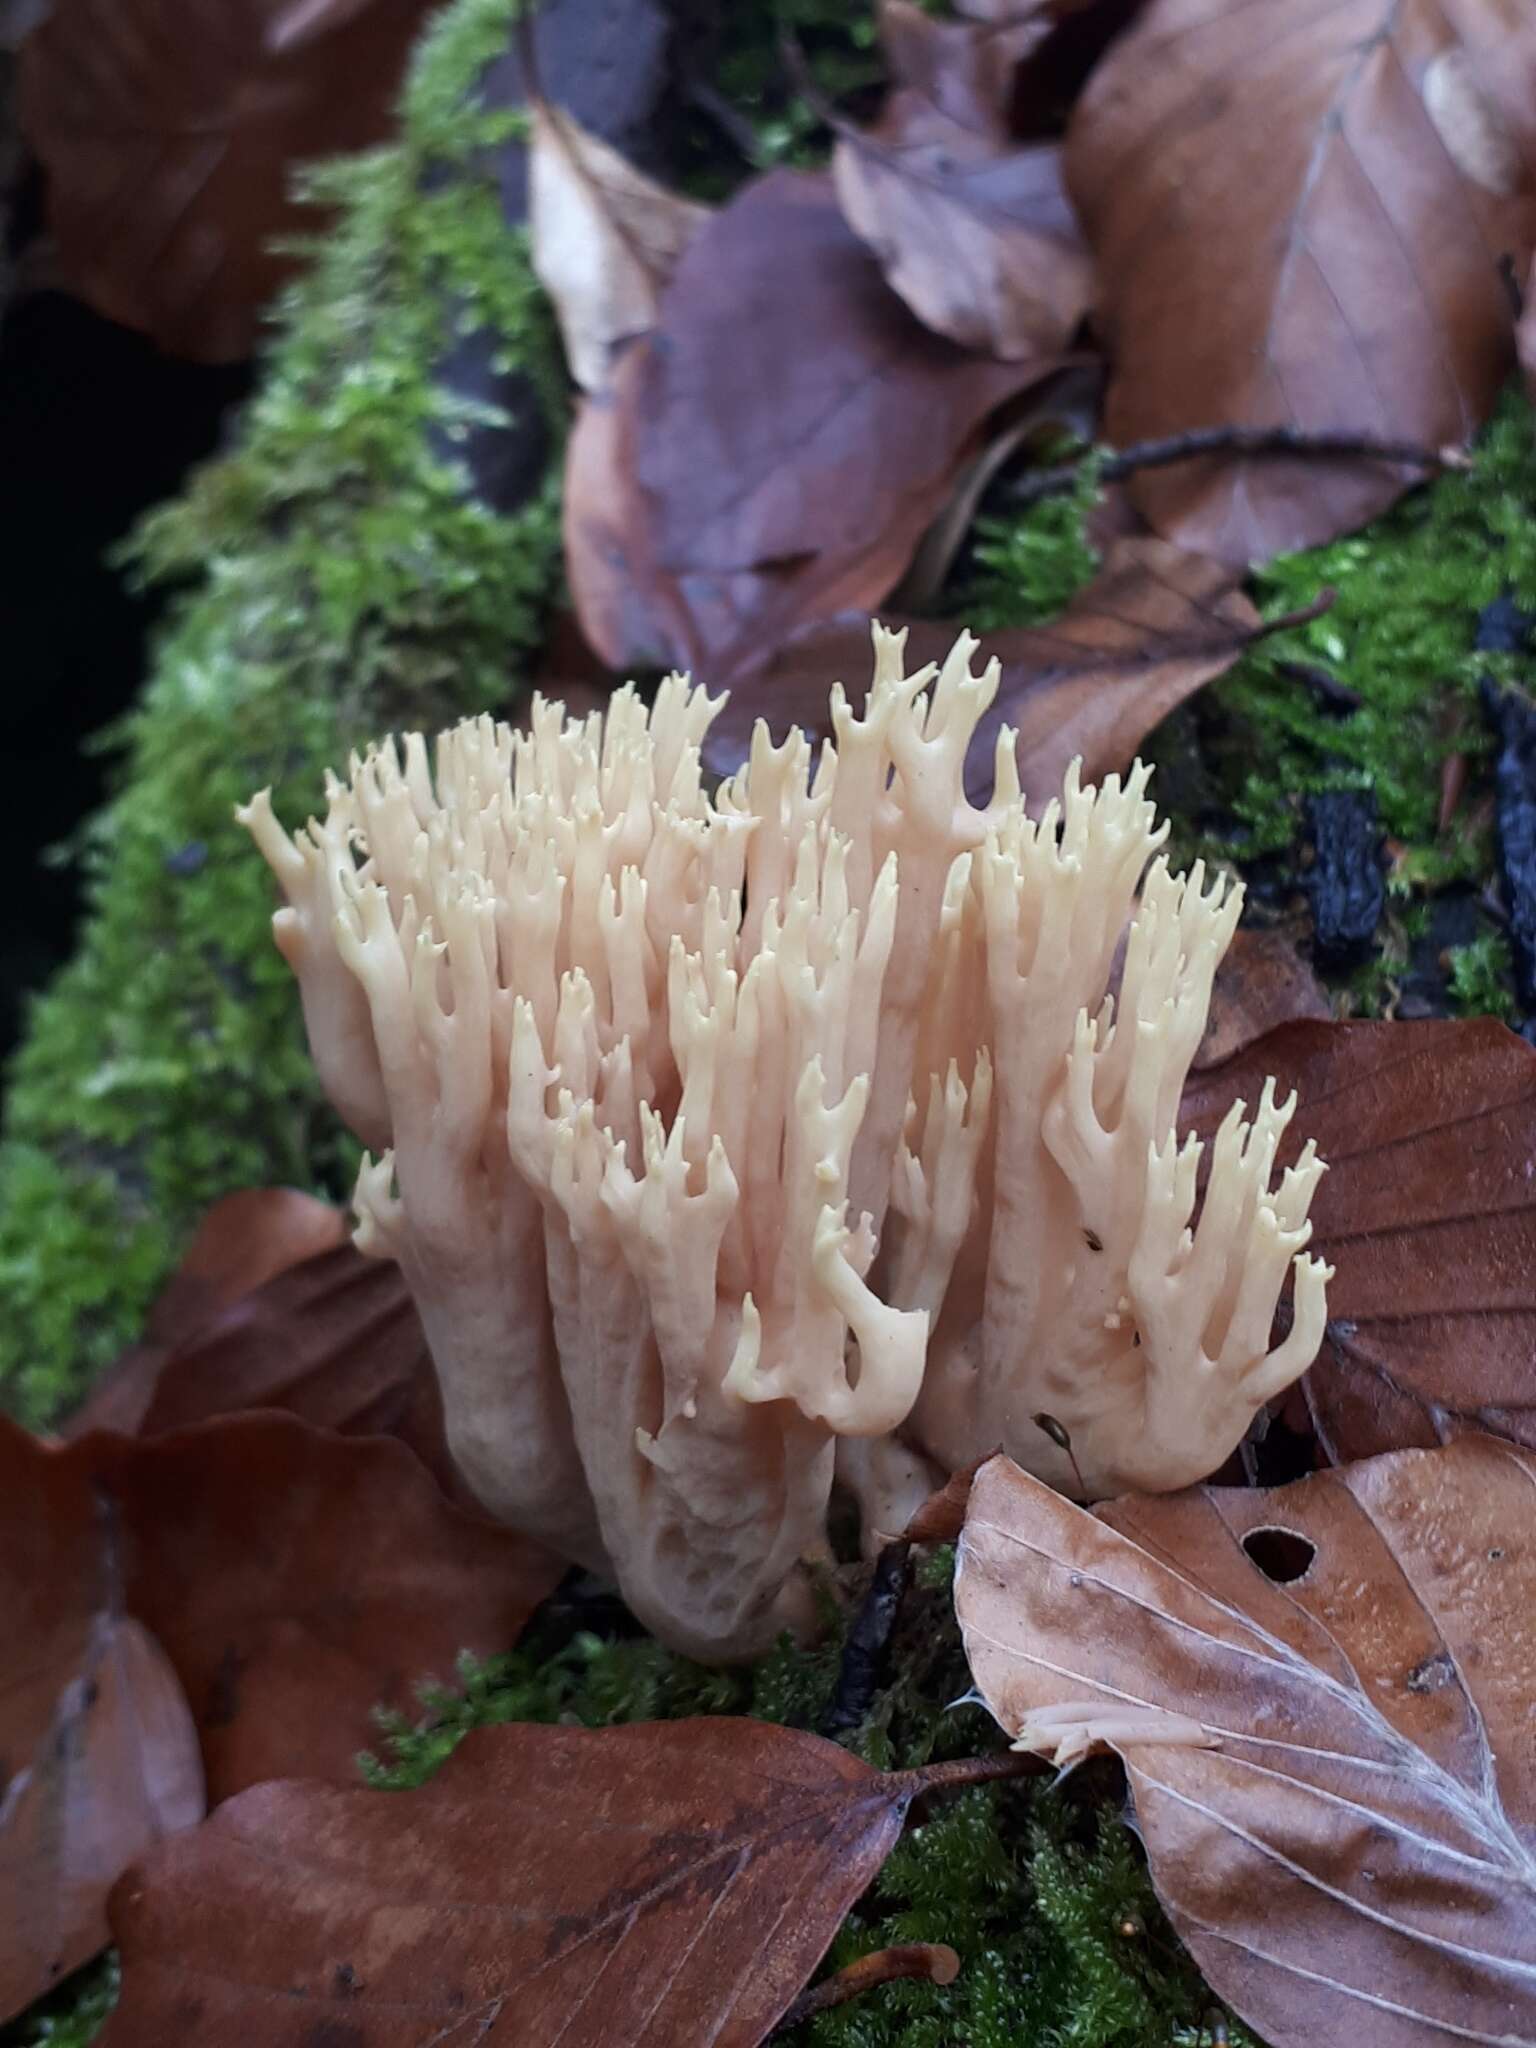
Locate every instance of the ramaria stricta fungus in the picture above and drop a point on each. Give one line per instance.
(730, 1142)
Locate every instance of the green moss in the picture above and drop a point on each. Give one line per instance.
(1236, 764)
(1025, 571)
(1401, 636)
(1480, 977)
(1043, 1892)
(341, 579)
(70, 2017)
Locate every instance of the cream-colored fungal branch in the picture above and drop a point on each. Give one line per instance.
(730, 1141)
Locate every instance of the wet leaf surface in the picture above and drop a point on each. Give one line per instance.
(295, 1578)
(660, 1884)
(1321, 1695)
(1428, 1214)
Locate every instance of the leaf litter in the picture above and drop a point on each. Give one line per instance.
(1292, 253)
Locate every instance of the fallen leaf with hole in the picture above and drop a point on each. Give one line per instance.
(294, 1578)
(98, 1752)
(1151, 628)
(604, 240)
(636, 1887)
(1299, 222)
(170, 130)
(774, 450)
(1321, 1694)
(1427, 1213)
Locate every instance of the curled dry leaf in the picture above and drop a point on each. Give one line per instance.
(98, 1751)
(774, 450)
(605, 239)
(639, 1887)
(1337, 1797)
(1151, 628)
(965, 70)
(973, 229)
(1303, 227)
(169, 130)
(295, 1579)
(1427, 1213)
(1262, 982)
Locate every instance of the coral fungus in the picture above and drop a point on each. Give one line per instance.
(735, 1140)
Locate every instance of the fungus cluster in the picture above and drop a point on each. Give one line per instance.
(732, 1142)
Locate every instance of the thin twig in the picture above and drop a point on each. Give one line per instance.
(956, 1774)
(1249, 442)
(932, 1961)
(1336, 695)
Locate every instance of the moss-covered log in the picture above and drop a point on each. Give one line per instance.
(342, 579)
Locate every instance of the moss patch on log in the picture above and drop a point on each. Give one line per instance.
(342, 579)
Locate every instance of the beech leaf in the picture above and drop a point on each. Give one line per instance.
(98, 1752)
(1427, 1213)
(775, 449)
(1299, 222)
(169, 130)
(1151, 628)
(963, 69)
(650, 1886)
(244, 1241)
(605, 240)
(973, 230)
(294, 1578)
(1263, 981)
(1322, 1697)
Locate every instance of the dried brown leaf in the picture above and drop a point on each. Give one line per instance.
(773, 452)
(244, 1241)
(1151, 628)
(1298, 214)
(169, 130)
(294, 1578)
(965, 70)
(98, 1752)
(1262, 982)
(1428, 1214)
(638, 1887)
(975, 233)
(1348, 1843)
(273, 1309)
(605, 239)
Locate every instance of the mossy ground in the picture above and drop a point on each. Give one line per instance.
(341, 579)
